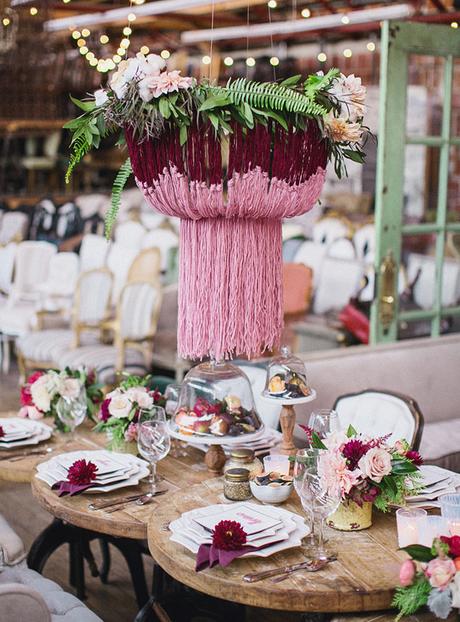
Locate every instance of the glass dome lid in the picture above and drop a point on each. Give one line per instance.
(287, 378)
(216, 401)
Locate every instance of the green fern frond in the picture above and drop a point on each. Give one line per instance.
(410, 599)
(270, 96)
(118, 185)
(81, 146)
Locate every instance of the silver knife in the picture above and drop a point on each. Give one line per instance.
(317, 564)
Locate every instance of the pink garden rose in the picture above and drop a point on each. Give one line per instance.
(440, 572)
(30, 412)
(334, 473)
(166, 82)
(131, 433)
(407, 573)
(140, 396)
(375, 464)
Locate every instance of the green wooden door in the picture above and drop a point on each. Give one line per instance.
(400, 41)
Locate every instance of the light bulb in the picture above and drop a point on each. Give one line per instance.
(250, 61)
(371, 46)
(454, 24)
(93, 62)
(124, 43)
(206, 60)
(6, 21)
(272, 4)
(165, 54)
(127, 31)
(305, 13)
(121, 51)
(322, 57)
(131, 17)
(110, 64)
(85, 32)
(81, 42)
(76, 34)
(228, 61)
(347, 53)
(116, 58)
(90, 56)
(345, 19)
(33, 10)
(275, 61)
(104, 39)
(66, 1)
(84, 50)
(144, 50)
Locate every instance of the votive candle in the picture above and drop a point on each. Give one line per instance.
(450, 511)
(277, 463)
(410, 525)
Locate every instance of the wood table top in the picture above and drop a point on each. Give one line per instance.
(131, 521)
(22, 471)
(362, 579)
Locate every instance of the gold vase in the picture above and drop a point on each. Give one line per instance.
(349, 516)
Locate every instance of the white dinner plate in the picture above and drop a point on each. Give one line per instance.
(40, 432)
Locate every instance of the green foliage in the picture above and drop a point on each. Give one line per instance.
(316, 442)
(118, 185)
(315, 83)
(351, 431)
(80, 148)
(410, 599)
(419, 552)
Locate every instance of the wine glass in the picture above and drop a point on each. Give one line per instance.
(323, 502)
(323, 422)
(72, 411)
(305, 459)
(153, 442)
(172, 395)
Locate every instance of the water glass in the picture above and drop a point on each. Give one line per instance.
(154, 443)
(323, 422)
(72, 411)
(411, 524)
(304, 459)
(450, 511)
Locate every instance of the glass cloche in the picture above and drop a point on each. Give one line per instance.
(216, 401)
(287, 378)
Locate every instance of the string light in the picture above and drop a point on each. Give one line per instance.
(131, 17)
(81, 42)
(90, 56)
(322, 57)
(454, 24)
(165, 54)
(104, 39)
(371, 46)
(124, 43)
(250, 61)
(33, 10)
(127, 31)
(93, 62)
(228, 61)
(116, 58)
(345, 19)
(206, 60)
(85, 32)
(66, 1)
(305, 13)
(272, 4)
(84, 50)
(6, 21)
(275, 61)
(347, 53)
(144, 50)
(121, 51)
(76, 34)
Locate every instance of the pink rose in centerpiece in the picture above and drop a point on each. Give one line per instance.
(31, 412)
(131, 433)
(375, 464)
(166, 82)
(407, 573)
(140, 396)
(440, 572)
(71, 388)
(334, 473)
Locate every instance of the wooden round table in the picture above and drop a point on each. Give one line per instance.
(362, 579)
(20, 467)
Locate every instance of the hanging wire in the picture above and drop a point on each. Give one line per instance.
(247, 38)
(211, 42)
(271, 41)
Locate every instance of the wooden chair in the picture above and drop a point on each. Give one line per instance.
(146, 267)
(378, 412)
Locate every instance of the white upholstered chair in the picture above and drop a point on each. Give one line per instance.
(311, 254)
(13, 227)
(163, 239)
(146, 266)
(328, 229)
(341, 248)
(119, 260)
(93, 252)
(41, 349)
(130, 234)
(7, 260)
(425, 286)
(378, 413)
(134, 329)
(339, 280)
(57, 292)
(364, 241)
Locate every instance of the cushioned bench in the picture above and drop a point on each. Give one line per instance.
(427, 370)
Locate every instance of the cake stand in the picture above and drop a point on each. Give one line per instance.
(288, 419)
(215, 457)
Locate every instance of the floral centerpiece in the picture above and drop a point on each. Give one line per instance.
(231, 161)
(119, 412)
(430, 578)
(42, 391)
(368, 471)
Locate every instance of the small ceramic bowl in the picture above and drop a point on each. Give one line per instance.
(271, 494)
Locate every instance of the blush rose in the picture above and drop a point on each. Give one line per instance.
(375, 464)
(440, 572)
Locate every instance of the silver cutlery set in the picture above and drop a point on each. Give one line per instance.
(284, 572)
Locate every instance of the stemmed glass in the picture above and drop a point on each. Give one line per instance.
(305, 459)
(323, 422)
(72, 411)
(323, 502)
(172, 395)
(153, 440)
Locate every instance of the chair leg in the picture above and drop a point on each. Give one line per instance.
(131, 551)
(77, 568)
(50, 539)
(106, 560)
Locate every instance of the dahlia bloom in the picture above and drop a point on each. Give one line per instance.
(228, 535)
(82, 472)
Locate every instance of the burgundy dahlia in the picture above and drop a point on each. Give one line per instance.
(82, 472)
(228, 535)
(414, 457)
(2, 432)
(453, 543)
(353, 451)
(104, 414)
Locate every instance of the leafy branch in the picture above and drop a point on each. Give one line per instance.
(118, 185)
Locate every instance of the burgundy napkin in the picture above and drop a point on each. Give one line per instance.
(209, 556)
(64, 487)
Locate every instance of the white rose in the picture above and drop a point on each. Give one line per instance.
(120, 406)
(127, 71)
(71, 388)
(151, 64)
(375, 464)
(140, 396)
(40, 394)
(115, 393)
(100, 97)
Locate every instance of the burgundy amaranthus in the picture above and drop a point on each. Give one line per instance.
(308, 431)
(414, 457)
(82, 472)
(228, 535)
(2, 432)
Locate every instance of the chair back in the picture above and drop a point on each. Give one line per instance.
(297, 288)
(425, 286)
(92, 297)
(146, 267)
(138, 311)
(13, 227)
(62, 275)
(93, 252)
(164, 239)
(312, 254)
(31, 267)
(7, 259)
(329, 228)
(340, 280)
(378, 412)
(364, 241)
(129, 233)
(342, 248)
(269, 412)
(119, 260)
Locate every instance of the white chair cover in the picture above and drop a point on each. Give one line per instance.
(93, 252)
(149, 218)
(130, 234)
(269, 412)
(92, 204)
(138, 302)
(119, 260)
(31, 269)
(62, 276)
(164, 239)
(95, 289)
(376, 413)
(364, 241)
(329, 229)
(425, 287)
(342, 248)
(340, 280)
(7, 259)
(13, 227)
(311, 254)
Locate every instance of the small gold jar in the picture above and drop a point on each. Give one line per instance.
(236, 485)
(241, 458)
